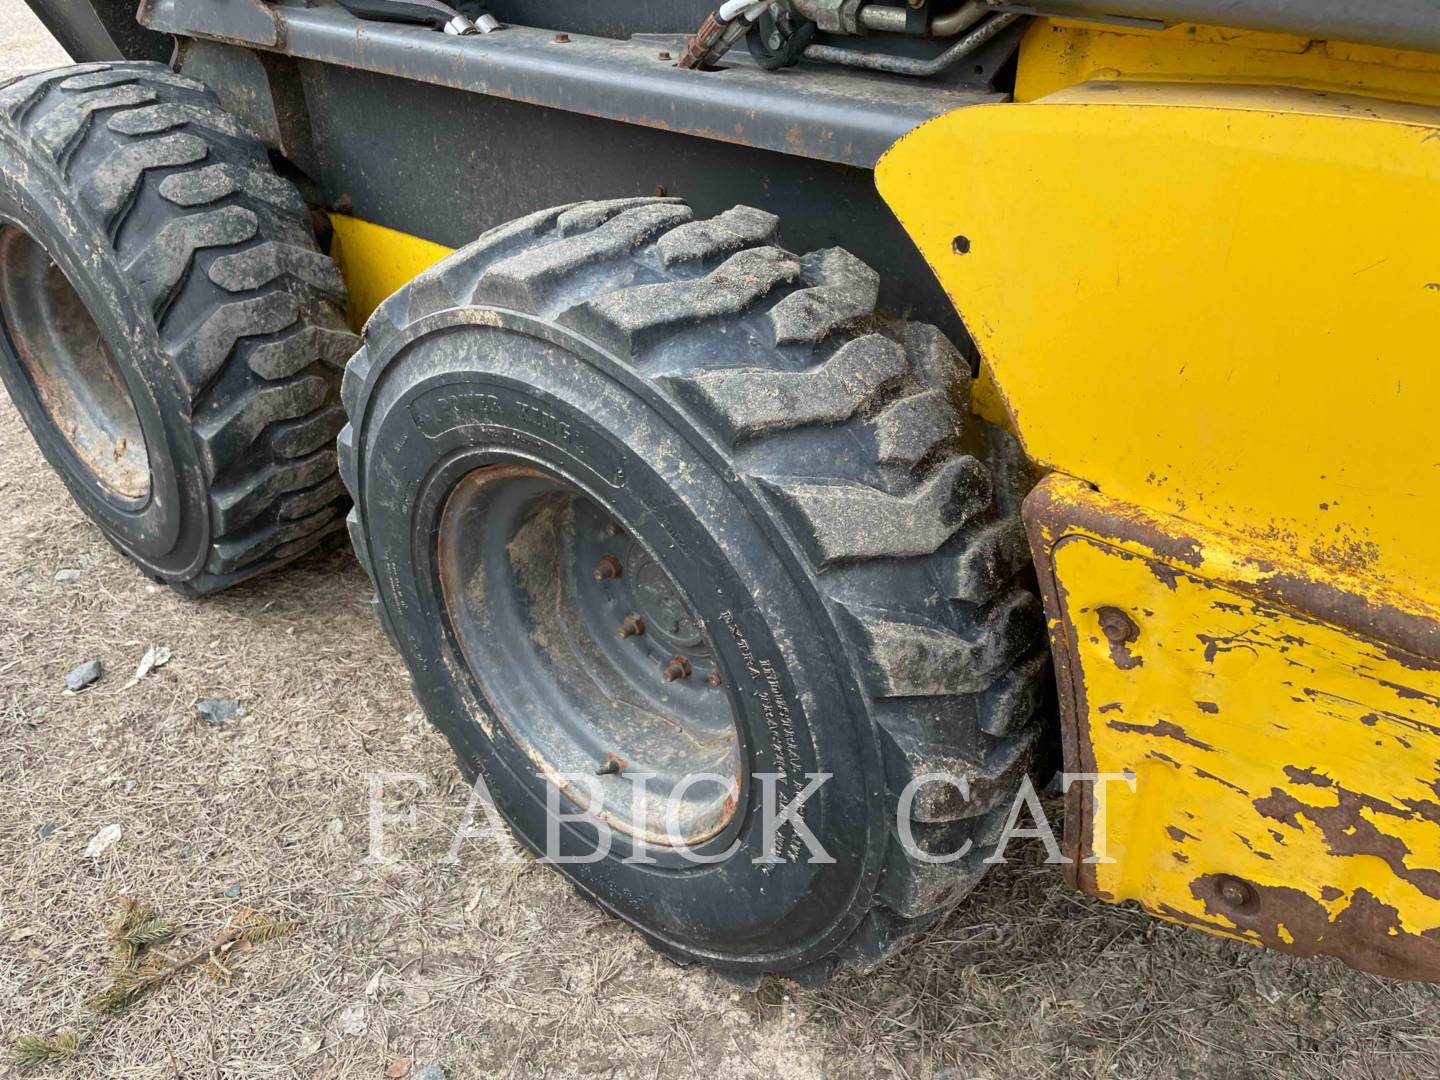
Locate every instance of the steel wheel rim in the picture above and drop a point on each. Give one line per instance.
(66, 361)
(606, 672)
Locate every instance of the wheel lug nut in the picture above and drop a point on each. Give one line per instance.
(607, 568)
(677, 668)
(632, 626)
(713, 678)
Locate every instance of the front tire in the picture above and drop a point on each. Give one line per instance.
(797, 468)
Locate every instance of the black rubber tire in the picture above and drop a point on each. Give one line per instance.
(198, 265)
(809, 459)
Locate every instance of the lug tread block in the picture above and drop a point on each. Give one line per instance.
(300, 503)
(583, 217)
(1011, 703)
(357, 533)
(345, 451)
(207, 349)
(913, 887)
(429, 292)
(211, 183)
(352, 383)
(463, 269)
(987, 561)
(234, 506)
(226, 433)
(626, 320)
(913, 657)
(297, 438)
(23, 93)
(168, 115)
(842, 521)
(58, 130)
(522, 280)
(293, 549)
(258, 266)
(383, 328)
(158, 268)
(116, 74)
(746, 402)
(937, 363)
(230, 555)
(992, 780)
(113, 184)
(842, 292)
(296, 349)
(736, 228)
(915, 428)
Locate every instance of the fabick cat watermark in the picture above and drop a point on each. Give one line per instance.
(775, 830)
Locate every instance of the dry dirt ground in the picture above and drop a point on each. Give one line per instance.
(487, 968)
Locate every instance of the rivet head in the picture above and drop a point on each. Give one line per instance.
(561, 39)
(607, 568)
(1117, 626)
(1234, 892)
(677, 668)
(632, 626)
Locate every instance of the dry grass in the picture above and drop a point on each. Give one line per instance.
(496, 969)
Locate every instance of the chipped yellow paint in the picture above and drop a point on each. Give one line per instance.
(1059, 53)
(1216, 301)
(375, 261)
(1297, 757)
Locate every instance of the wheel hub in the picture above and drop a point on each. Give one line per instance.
(589, 653)
(65, 358)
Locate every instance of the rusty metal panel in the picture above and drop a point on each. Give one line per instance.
(838, 116)
(1286, 760)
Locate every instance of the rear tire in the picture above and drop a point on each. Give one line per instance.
(798, 465)
(171, 334)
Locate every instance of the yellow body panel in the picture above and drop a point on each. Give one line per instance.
(1219, 302)
(1287, 771)
(1056, 54)
(375, 261)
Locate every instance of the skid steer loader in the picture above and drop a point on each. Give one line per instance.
(777, 431)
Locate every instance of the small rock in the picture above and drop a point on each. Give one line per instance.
(87, 674)
(399, 1069)
(102, 841)
(44, 832)
(430, 1072)
(219, 710)
(129, 785)
(68, 574)
(233, 891)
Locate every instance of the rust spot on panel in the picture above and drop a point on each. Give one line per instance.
(1207, 707)
(1163, 729)
(1224, 643)
(1220, 780)
(1178, 834)
(1347, 831)
(1307, 776)
(1366, 933)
